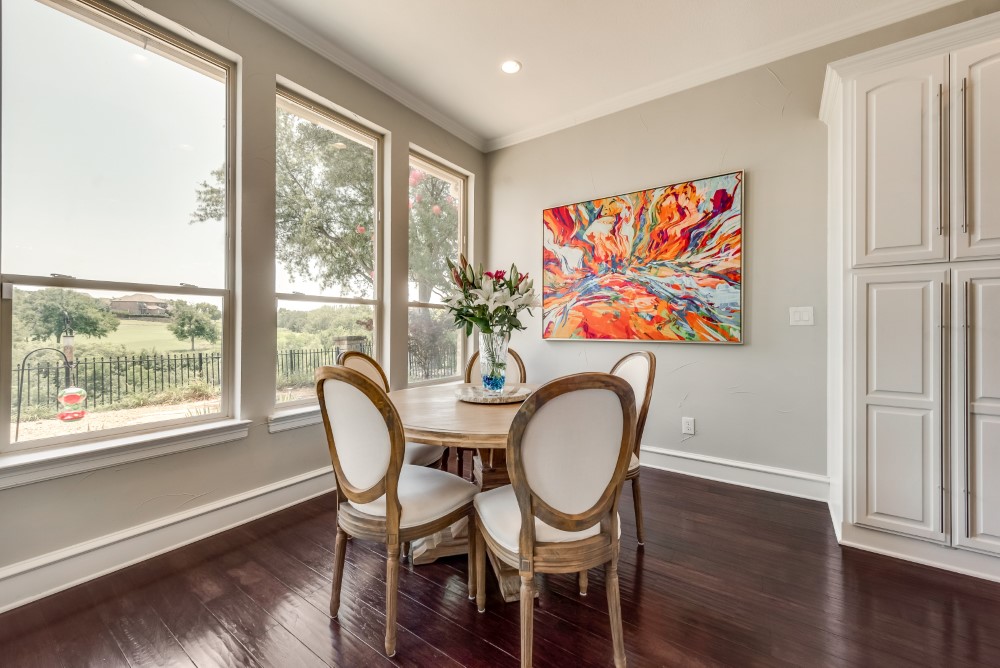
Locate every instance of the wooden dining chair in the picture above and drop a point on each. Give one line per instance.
(567, 452)
(473, 374)
(639, 369)
(417, 454)
(378, 497)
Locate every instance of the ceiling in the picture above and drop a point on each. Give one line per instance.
(582, 58)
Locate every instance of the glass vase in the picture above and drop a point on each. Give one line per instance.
(493, 360)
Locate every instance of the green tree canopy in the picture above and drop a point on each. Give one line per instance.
(194, 321)
(51, 311)
(325, 208)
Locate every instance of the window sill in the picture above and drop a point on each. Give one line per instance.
(293, 418)
(27, 467)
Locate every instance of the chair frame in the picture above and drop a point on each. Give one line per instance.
(510, 351)
(356, 524)
(469, 366)
(640, 425)
(564, 557)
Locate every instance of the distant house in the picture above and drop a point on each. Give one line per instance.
(141, 305)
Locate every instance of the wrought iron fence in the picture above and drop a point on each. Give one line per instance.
(111, 380)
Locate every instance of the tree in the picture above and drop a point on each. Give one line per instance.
(56, 311)
(324, 217)
(194, 321)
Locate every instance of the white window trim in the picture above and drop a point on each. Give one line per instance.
(128, 26)
(294, 417)
(282, 418)
(30, 466)
(437, 168)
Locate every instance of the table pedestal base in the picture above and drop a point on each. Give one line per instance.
(489, 468)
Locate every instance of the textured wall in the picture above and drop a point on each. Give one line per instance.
(765, 401)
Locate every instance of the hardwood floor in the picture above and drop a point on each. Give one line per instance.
(728, 576)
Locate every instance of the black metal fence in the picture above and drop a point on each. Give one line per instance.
(112, 380)
(109, 380)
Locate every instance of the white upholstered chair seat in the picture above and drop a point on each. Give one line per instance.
(421, 454)
(425, 494)
(633, 463)
(500, 517)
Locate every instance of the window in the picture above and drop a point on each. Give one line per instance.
(436, 232)
(115, 253)
(326, 219)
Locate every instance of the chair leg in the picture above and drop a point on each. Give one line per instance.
(637, 500)
(527, 617)
(461, 463)
(406, 551)
(581, 578)
(480, 570)
(391, 586)
(339, 550)
(472, 533)
(615, 612)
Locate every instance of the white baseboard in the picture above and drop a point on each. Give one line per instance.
(757, 476)
(47, 574)
(965, 562)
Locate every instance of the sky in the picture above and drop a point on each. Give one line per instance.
(104, 145)
(101, 160)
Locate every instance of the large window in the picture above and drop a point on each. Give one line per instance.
(115, 252)
(436, 232)
(327, 225)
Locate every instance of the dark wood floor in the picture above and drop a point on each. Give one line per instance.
(728, 576)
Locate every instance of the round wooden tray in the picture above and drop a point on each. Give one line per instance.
(512, 394)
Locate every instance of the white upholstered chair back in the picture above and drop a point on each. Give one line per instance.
(365, 365)
(638, 369)
(570, 445)
(360, 422)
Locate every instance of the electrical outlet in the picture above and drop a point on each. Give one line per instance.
(687, 426)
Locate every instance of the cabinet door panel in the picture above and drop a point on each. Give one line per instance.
(899, 463)
(975, 122)
(978, 407)
(898, 177)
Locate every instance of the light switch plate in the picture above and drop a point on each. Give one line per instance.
(687, 425)
(800, 316)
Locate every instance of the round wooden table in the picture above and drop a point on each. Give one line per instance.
(433, 414)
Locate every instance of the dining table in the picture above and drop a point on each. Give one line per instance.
(435, 415)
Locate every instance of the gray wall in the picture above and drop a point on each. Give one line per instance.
(763, 402)
(63, 512)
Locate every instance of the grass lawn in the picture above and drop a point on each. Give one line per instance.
(140, 334)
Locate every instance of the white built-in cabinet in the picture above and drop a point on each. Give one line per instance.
(900, 409)
(977, 399)
(915, 194)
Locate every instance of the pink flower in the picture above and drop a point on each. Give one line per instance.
(436, 210)
(361, 229)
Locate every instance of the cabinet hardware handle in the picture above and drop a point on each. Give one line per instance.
(965, 155)
(941, 167)
(965, 409)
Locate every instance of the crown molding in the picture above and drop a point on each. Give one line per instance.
(901, 10)
(311, 39)
(934, 43)
(814, 39)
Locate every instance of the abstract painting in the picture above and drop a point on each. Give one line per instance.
(664, 264)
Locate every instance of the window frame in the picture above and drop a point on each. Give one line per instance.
(132, 28)
(437, 168)
(314, 112)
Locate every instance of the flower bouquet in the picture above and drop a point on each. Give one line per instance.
(489, 301)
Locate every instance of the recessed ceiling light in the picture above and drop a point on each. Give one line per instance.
(511, 66)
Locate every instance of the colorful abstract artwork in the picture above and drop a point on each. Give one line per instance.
(663, 264)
